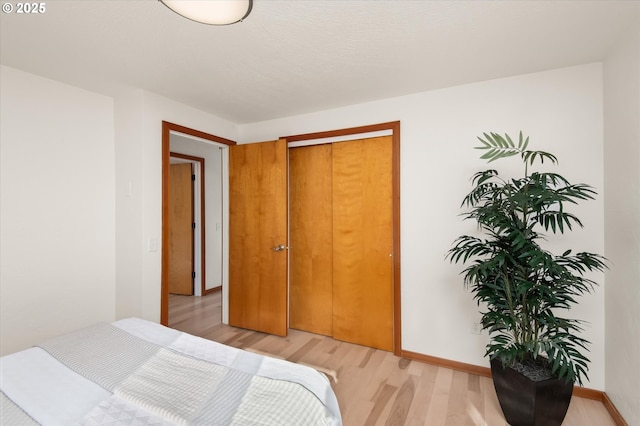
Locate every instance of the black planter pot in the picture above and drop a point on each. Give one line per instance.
(525, 402)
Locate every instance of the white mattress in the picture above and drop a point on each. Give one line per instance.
(53, 394)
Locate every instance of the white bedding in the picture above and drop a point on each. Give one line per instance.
(53, 394)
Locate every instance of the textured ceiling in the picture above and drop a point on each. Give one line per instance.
(294, 57)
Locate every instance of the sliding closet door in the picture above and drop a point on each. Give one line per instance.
(310, 243)
(362, 242)
(258, 236)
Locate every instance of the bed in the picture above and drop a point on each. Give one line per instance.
(136, 372)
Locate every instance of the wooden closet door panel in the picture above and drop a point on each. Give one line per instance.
(310, 239)
(362, 242)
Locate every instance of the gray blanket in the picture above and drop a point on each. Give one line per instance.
(101, 353)
(182, 389)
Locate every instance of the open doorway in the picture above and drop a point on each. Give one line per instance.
(191, 143)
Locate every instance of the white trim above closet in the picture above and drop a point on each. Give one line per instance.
(342, 138)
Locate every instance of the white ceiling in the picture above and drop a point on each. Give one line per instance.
(291, 57)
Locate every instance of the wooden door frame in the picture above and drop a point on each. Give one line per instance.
(167, 128)
(394, 127)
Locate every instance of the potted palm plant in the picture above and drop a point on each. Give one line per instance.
(536, 355)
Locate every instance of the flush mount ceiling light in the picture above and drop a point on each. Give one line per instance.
(212, 12)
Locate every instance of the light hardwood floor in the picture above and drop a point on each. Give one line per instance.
(373, 387)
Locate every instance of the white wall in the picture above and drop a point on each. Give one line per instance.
(622, 224)
(140, 134)
(57, 212)
(562, 112)
(129, 219)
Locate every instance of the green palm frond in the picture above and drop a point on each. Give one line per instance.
(498, 146)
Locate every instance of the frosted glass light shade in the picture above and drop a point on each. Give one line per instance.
(212, 12)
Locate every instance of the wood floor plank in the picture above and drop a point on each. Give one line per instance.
(475, 403)
(402, 403)
(492, 411)
(425, 381)
(457, 401)
(582, 411)
(367, 357)
(439, 403)
(300, 353)
(372, 386)
(321, 353)
(251, 339)
(357, 412)
(351, 382)
(390, 370)
(382, 398)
